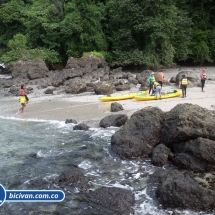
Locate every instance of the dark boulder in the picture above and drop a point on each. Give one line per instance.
(4, 71)
(86, 64)
(71, 121)
(160, 155)
(115, 107)
(123, 87)
(110, 200)
(116, 120)
(193, 78)
(143, 76)
(49, 91)
(75, 178)
(71, 73)
(76, 86)
(57, 79)
(81, 126)
(172, 80)
(139, 134)
(197, 155)
(176, 189)
(185, 122)
(104, 88)
(28, 69)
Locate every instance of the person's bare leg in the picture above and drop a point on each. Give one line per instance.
(21, 110)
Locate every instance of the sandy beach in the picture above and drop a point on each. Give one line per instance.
(87, 108)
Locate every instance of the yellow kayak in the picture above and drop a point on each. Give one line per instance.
(167, 95)
(119, 97)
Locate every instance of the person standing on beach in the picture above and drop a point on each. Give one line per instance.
(157, 88)
(183, 85)
(151, 81)
(23, 99)
(203, 77)
(160, 78)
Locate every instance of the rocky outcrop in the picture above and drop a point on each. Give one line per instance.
(70, 121)
(175, 189)
(75, 178)
(104, 88)
(182, 140)
(190, 76)
(81, 126)
(49, 91)
(197, 155)
(160, 155)
(28, 69)
(185, 122)
(139, 134)
(116, 120)
(110, 200)
(76, 86)
(115, 107)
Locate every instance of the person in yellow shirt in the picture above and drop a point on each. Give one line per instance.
(183, 85)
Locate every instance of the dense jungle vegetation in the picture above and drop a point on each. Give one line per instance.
(152, 33)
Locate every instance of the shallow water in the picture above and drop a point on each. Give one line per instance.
(33, 149)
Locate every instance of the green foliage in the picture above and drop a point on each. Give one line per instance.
(19, 51)
(152, 33)
(199, 47)
(94, 53)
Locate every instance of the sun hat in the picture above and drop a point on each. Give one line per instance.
(152, 73)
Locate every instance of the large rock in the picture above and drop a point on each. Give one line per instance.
(110, 200)
(139, 134)
(185, 122)
(75, 178)
(104, 88)
(176, 189)
(71, 73)
(28, 69)
(113, 120)
(76, 86)
(193, 78)
(143, 76)
(123, 87)
(160, 155)
(57, 79)
(81, 126)
(197, 155)
(115, 107)
(86, 64)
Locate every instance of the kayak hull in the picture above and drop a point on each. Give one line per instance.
(170, 94)
(119, 97)
(116, 98)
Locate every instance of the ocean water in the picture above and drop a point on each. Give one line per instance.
(38, 149)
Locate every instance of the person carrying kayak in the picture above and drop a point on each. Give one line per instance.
(151, 81)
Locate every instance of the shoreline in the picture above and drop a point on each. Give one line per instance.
(87, 108)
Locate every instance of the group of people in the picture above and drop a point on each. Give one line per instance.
(155, 87)
(155, 84)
